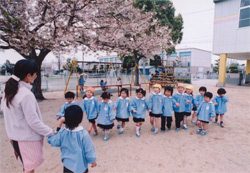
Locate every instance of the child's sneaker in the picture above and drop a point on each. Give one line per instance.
(137, 135)
(185, 126)
(177, 129)
(222, 125)
(199, 131)
(155, 132)
(169, 128)
(95, 134)
(192, 122)
(204, 133)
(162, 131)
(215, 121)
(118, 126)
(196, 124)
(120, 133)
(153, 128)
(105, 139)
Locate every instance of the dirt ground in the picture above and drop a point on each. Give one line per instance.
(221, 150)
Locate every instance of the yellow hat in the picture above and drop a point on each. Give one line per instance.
(181, 85)
(190, 87)
(91, 89)
(157, 86)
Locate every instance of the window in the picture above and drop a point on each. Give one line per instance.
(101, 60)
(106, 60)
(117, 58)
(185, 53)
(111, 59)
(244, 3)
(244, 14)
(172, 55)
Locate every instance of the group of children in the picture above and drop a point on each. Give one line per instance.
(159, 107)
(104, 113)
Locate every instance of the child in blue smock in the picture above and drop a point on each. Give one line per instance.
(123, 109)
(77, 150)
(155, 107)
(180, 103)
(206, 113)
(198, 99)
(103, 85)
(69, 97)
(90, 105)
(81, 82)
(139, 106)
(168, 104)
(190, 102)
(220, 105)
(106, 115)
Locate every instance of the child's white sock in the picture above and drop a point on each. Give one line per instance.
(121, 129)
(119, 123)
(137, 130)
(106, 134)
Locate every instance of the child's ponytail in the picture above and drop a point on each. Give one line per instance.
(21, 70)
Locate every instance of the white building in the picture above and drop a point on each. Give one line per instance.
(231, 33)
(192, 60)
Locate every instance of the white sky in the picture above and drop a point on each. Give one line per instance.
(198, 16)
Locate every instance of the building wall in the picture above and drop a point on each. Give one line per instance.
(228, 37)
(201, 59)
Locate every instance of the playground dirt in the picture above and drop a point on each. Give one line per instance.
(221, 150)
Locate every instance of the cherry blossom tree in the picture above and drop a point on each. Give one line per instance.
(133, 32)
(36, 28)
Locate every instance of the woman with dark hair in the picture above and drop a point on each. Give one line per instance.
(23, 120)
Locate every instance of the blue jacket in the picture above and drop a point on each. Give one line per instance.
(205, 111)
(167, 106)
(65, 106)
(140, 105)
(123, 107)
(90, 105)
(179, 98)
(81, 81)
(199, 99)
(221, 106)
(106, 113)
(188, 107)
(155, 103)
(77, 150)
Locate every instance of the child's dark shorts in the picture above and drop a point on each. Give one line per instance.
(194, 108)
(110, 126)
(186, 113)
(137, 120)
(92, 120)
(219, 114)
(122, 119)
(207, 122)
(155, 115)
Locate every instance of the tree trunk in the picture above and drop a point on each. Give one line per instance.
(37, 85)
(136, 83)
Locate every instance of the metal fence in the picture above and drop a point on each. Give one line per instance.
(58, 82)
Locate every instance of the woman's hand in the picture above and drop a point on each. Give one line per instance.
(94, 164)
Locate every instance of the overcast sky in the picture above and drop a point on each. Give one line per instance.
(198, 16)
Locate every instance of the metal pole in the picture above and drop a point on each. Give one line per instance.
(83, 62)
(143, 66)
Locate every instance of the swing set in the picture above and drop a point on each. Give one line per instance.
(74, 67)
